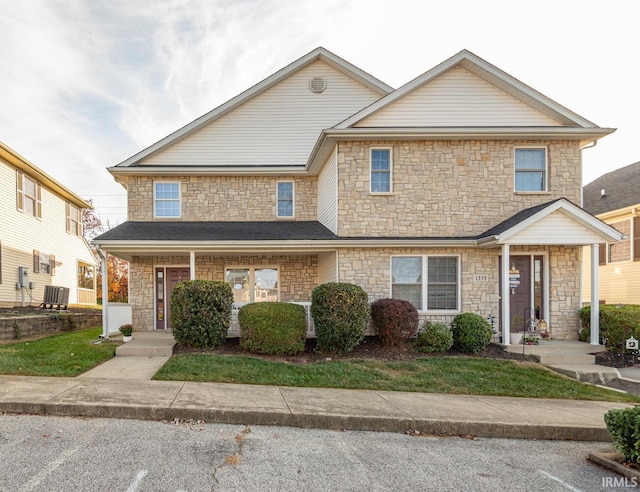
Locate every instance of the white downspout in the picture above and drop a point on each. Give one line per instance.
(505, 315)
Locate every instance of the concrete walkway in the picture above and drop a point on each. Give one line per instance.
(121, 388)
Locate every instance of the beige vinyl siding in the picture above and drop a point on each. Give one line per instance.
(278, 127)
(457, 98)
(21, 234)
(619, 281)
(327, 268)
(328, 194)
(556, 228)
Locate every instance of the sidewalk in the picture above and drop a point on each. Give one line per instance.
(122, 388)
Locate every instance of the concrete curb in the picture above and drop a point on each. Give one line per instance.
(316, 420)
(613, 462)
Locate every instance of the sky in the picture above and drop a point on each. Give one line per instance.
(85, 84)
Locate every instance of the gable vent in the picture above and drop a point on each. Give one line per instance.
(317, 84)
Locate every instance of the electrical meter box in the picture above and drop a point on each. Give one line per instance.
(23, 277)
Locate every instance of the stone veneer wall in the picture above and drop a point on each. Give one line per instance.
(446, 188)
(371, 269)
(240, 198)
(298, 277)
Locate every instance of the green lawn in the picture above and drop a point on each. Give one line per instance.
(456, 375)
(67, 354)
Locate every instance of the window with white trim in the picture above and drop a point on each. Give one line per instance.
(253, 284)
(86, 276)
(430, 283)
(29, 195)
(381, 170)
(621, 251)
(285, 199)
(74, 220)
(166, 199)
(530, 169)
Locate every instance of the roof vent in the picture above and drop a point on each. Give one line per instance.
(317, 84)
(603, 192)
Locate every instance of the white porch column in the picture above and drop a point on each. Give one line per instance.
(192, 265)
(595, 294)
(505, 314)
(105, 294)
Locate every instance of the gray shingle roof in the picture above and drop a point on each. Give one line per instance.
(622, 189)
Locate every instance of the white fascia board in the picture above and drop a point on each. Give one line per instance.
(319, 53)
(207, 171)
(490, 74)
(575, 213)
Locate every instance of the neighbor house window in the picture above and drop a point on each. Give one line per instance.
(45, 263)
(621, 251)
(531, 169)
(166, 198)
(285, 199)
(74, 220)
(86, 276)
(381, 170)
(440, 291)
(253, 284)
(29, 195)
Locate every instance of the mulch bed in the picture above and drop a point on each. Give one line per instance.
(370, 348)
(613, 359)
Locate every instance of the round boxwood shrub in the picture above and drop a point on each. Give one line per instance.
(394, 320)
(201, 312)
(434, 337)
(272, 327)
(340, 313)
(471, 333)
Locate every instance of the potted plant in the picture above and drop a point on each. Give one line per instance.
(516, 337)
(126, 332)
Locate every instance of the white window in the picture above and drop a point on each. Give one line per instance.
(430, 283)
(530, 169)
(285, 199)
(29, 193)
(253, 284)
(74, 220)
(166, 199)
(381, 170)
(45, 263)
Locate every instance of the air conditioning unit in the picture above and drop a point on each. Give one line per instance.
(55, 297)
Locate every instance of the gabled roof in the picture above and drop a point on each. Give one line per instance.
(507, 230)
(490, 74)
(621, 190)
(15, 159)
(318, 54)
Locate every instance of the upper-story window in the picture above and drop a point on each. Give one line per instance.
(29, 193)
(531, 169)
(285, 199)
(621, 251)
(74, 220)
(166, 199)
(381, 170)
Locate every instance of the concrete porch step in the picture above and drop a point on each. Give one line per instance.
(148, 344)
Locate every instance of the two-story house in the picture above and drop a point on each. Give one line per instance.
(456, 191)
(615, 199)
(41, 242)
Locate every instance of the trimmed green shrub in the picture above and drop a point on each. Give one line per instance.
(616, 324)
(272, 327)
(434, 337)
(394, 320)
(624, 427)
(471, 333)
(201, 312)
(340, 313)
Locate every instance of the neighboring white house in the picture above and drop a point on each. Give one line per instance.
(41, 240)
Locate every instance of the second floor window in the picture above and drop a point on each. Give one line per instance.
(285, 199)
(29, 194)
(166, 197)
(621, 251)
(531, 169)
(74, 220)
(380, 170)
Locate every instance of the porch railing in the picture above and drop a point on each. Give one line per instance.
(234, 329)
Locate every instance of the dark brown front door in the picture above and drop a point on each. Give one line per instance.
(520, 307)
(166, 280)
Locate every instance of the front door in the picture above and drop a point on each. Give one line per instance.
(166, 280)
(525, 298)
